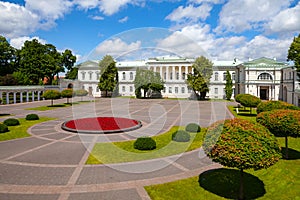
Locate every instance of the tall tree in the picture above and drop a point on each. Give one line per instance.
(294, 53)
(199, 80)
(228, 86)
(108, 74)
(7, 57)
(68, 61)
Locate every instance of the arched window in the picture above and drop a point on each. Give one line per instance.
(265, 76)
(216, 76)
(123, 76)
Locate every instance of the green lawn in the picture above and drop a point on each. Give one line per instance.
(20, 131)
(280, 181)
(243, 113)
(118, 152)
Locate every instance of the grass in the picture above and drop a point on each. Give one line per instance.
(20, 131)
(280, 181)
(55, 106)
(118, 152)
(243, 113)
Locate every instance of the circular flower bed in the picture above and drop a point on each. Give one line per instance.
(101, 125)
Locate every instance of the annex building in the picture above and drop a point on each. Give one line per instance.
(265, 78)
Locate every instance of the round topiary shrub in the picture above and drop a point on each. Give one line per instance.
(3, 128)
(32, 117)
(11, 122)
(193, 127)
(144, 143)
(181, 136)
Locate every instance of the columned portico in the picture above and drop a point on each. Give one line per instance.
(14, 94)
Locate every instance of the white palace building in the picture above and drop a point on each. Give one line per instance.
(265, 78)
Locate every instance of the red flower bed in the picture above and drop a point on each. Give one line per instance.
(101, 125)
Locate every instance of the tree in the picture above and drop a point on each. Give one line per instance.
(108, 75)
(241, 144)
(282, 123)
(68, 61)
(7, 57)
(149, 81)
(52, 94)
(294, 53)
(81, 93)
(67, 93)
(199, 80)
(228, 86)
(72, 74)
(248, 100)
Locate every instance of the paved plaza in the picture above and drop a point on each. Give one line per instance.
(51, 163)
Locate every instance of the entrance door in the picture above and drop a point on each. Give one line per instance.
(90, 91)
(263, 94)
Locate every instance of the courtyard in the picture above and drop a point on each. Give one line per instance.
(51, 163)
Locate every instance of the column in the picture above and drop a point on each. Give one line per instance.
(161, 72)
(7, 97)
(173, 73)
(27, 96)
(186, 70)
(21, 97)
(15, 98)
(32, 96)
(39, 96)
(167, 73)
(180, 74)
(1, 95)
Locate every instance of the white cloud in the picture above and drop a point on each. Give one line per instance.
(124, 19)
(115, 47)
(15, 20)
(207, 1)
(19, 41)
(286, 21)
(238, 16)
(87, 4)
(109, 7)
(190, 13)
(98, 18)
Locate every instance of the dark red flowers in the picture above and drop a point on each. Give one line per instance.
(101, 125)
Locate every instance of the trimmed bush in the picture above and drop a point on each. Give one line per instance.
(11, 122)
(3, 128)
(32, 117)
(273, 105)
(181, 136)
(144, 143)
(193, 127)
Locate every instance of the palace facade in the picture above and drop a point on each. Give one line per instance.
(263, 77)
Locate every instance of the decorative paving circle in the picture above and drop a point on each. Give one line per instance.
(100, 125)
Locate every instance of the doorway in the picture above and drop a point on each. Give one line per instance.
(264, 93)
(90, 91)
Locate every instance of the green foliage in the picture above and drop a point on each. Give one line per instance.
(11, 122)
(273, 105)
(21, 78)
(200, 78)
(248, 100)
(32, 117)
(72, 74)
(238, 97)
(52, 94)
(144, 143)
(109, 75)
(148, 81)
(181, 136)
(242, 144)
(68, 59)
(81, 93)
(228, 86)
(3, 128)
(294, 52)
(7, 57)
(193, 127)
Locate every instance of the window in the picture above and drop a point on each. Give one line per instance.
(123, 76)
(224, 76)
(183, 76)
(98, 76)
(177, 76)
(131, 75)
(165, 75)
(216, 91)
(189, 90)
(91, 75)
(123, 89)
(233, 76)
(264, 76)
(171, 76)
(176, 90)
(182, 90)
(216, 76)
(290, 75)
(131, 89)
(83, 75)
(97, 89)
(164, 91)
(170, 89)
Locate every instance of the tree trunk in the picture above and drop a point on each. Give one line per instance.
(241, 190)
(286, 148)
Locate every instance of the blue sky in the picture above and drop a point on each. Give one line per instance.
(219, 29)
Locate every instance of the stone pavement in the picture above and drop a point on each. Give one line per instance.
(51, 163)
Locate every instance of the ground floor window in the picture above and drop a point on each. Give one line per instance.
(170, 89)
(182, 90)
(123, 88)
(176, 90)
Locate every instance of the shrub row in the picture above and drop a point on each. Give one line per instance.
(15, 122)
(273, 105)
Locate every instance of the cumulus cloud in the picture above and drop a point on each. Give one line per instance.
(190, 13)
(116, 47)
(16, 20)
(238, 16)
(19, 41)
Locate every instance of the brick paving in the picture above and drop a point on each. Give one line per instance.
(51, 163)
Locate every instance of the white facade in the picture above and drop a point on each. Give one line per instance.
(290, 86)
(260, 77)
